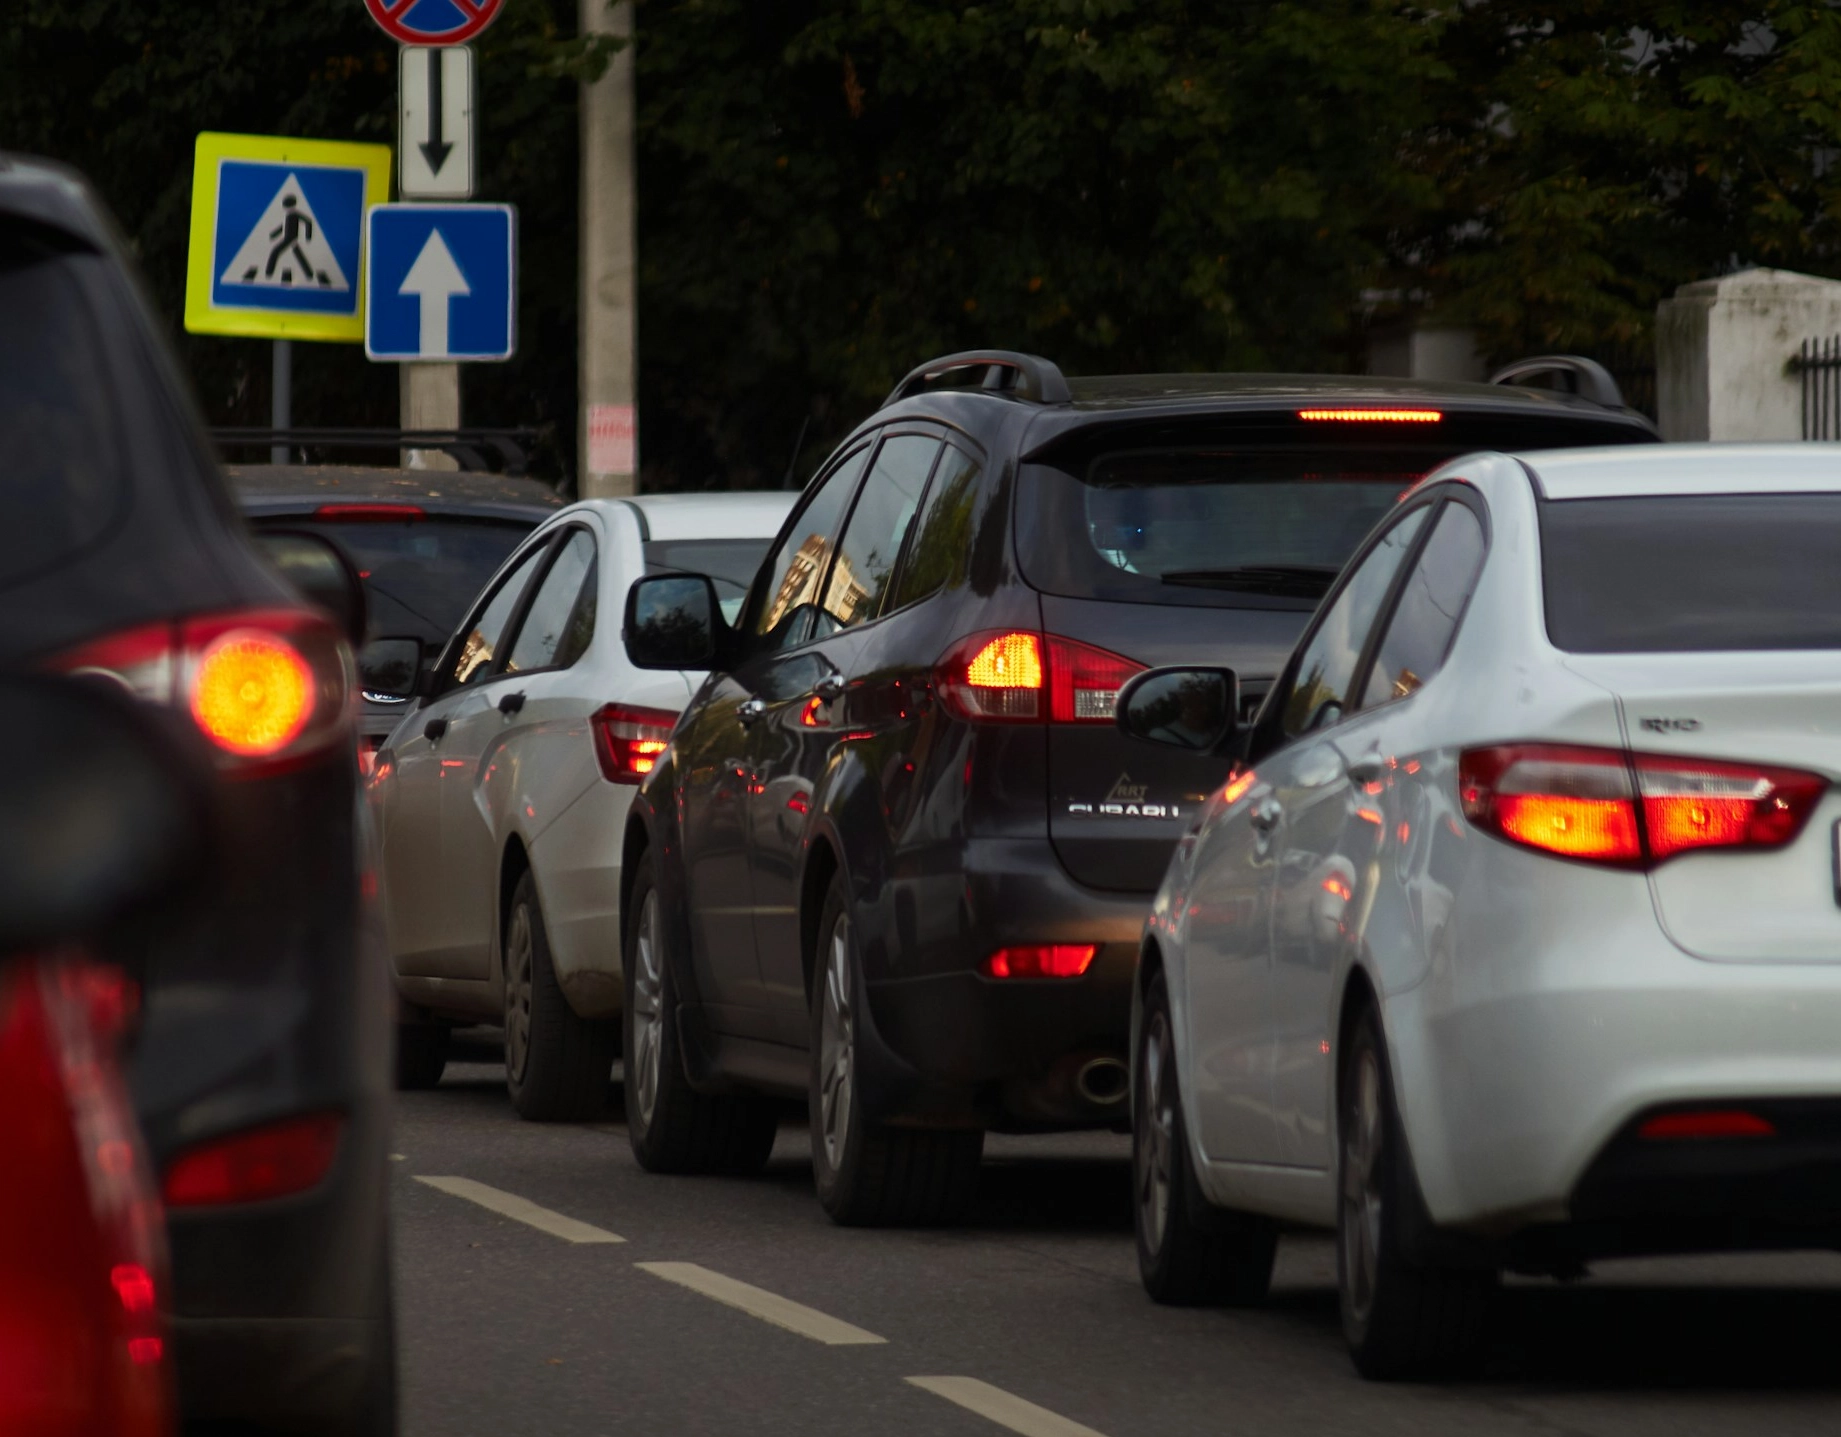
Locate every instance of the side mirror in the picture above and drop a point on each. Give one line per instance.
(107, 822)
(1193, 709)
(674, 621)
(318, 567)
(389, 669)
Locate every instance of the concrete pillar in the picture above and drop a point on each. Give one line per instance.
(607, 444)
(430, 400)
(1723, 351)
(1426, 351)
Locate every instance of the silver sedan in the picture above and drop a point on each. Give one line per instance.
(1514, 940)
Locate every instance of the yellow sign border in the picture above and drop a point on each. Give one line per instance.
(201, 315)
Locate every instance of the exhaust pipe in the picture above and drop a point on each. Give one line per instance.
(1102, 1081)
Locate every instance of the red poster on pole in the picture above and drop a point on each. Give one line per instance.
(433, 22)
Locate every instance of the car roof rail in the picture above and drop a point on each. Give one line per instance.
(1584, 377)
(1021, 376)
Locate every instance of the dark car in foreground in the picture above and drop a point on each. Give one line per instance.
(896, 857)
(424, 540)
(260, 1072)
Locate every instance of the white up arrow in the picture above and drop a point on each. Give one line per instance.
(434, 279)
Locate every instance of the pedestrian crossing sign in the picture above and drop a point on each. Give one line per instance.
(277, 248)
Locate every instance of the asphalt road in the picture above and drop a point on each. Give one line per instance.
(734, 1306)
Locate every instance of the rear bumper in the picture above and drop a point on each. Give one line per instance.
(955, 1045)
(290, 1373)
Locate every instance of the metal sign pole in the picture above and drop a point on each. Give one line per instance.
(281, 401)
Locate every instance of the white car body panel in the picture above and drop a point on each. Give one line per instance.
(530, 778)
(1532, 1005)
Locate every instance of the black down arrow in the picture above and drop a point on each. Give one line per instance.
(434, 149)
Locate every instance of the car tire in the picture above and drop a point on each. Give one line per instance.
(869, 1175)
(672, 1127)
(1189, 1254)
(557, 1065)
(1402, 1318)
(421, 1054)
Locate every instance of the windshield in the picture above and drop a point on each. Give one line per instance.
(730, 563)
(1692, 573)
(57, 415)
(420, 574)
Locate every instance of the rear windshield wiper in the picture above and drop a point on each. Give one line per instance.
(1303, 581)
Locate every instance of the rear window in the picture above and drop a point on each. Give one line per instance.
(731, 563)
(421, 574)
(1687, 573)
(62, 483)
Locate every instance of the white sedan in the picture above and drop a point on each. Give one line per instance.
(502, 796)
(1515, 939)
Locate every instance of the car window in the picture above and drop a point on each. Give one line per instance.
(878, 523)
(474, 661)
(942, 539)
(560, 621)
(1431, 601)
(1320, 689)
(784, 610)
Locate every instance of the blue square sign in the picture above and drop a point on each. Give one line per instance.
(443, 282)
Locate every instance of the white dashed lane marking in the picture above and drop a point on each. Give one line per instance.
(1003, 1408)
(758, 1302)
(521, 1210)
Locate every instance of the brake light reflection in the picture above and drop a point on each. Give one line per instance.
(1040, 960)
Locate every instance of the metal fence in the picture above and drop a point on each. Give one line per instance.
(1633, 366)
(1818, 364)
(479, 450)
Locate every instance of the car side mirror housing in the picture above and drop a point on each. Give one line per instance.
(674, 621)
(1188, 708)
(390, 670)
(324, 575)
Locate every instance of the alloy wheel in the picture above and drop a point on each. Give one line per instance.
(1361, 1185)
(518, 991)
(1157, 1143)
(836, 1046)
(648, 1010)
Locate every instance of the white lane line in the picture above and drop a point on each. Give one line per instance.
(1002, 1408)
(521, 1210)
(758, 1302)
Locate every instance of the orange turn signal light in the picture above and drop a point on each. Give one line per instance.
(252, 692)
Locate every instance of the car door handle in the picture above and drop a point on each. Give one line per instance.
(830, 688)
(1367, 769)
(1265, 815)
(511, 703)
(434, 729)
(751, 711)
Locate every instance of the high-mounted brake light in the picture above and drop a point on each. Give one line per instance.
(628, 740)
(265, 686)
(270, 1162)
(1001, 676)
(1635, 810)
(1372, 416)
(370, 513)
(1040, 960)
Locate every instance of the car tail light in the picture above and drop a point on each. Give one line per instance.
(1040, 960)
(628, 740)
(1635, 810)
(1002, 676)
(1709, 1123)
(270, 1162)
(370, 513)
(1372, 416)
(265, 686)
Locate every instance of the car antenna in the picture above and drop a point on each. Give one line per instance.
(792, 464)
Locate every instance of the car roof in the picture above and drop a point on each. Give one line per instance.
(1655, 469)
(49, 194)
(276, 489)
(738, 514)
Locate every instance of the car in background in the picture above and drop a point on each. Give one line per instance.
(1515, 940)
(501, 798)
(424, 542)
(260, 1067)
(896, 857)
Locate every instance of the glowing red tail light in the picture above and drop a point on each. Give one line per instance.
(1371, 416)
(276, 1161)
(628, 740)
(1040, 960)
(265, 686)
(1002, 676)
(371, 513)
(1635, 810)
(1711, 1123)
